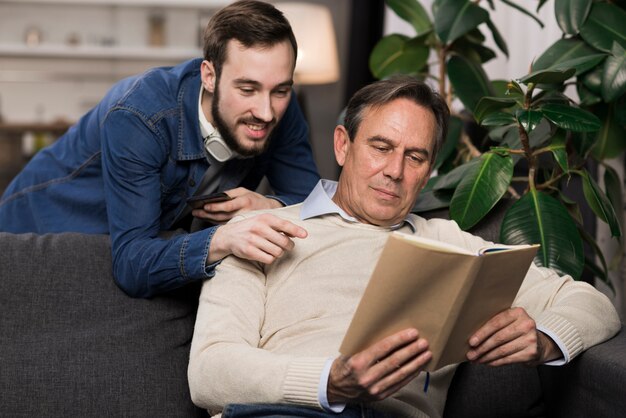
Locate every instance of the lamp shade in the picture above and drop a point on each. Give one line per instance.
(312, 25)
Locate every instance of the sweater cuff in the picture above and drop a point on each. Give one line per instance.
(302, 381)
(563, 332)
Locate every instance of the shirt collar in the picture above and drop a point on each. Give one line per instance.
(319, 202)
(207, 130)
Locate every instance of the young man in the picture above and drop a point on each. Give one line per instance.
(267, 336)
(218, 124)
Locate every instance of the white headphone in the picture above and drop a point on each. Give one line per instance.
(217, 147)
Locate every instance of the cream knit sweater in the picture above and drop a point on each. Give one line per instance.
(263, 333)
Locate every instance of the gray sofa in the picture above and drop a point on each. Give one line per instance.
(73, 345)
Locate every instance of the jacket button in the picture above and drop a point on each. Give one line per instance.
(192, 182)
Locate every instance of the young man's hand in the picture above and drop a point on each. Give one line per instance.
(242, 200)
(380, 370)
(262, 238)
(511, 337)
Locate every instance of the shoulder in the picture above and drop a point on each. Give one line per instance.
(446, 230)
(156, 88)
(290, 213)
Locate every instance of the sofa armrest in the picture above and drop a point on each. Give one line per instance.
(591, 385)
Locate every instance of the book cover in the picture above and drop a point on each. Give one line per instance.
(444, 291)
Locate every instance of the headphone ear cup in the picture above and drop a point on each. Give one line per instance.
(217, 147)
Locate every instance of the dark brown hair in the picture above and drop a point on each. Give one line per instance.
(252, 23)
(382, 92)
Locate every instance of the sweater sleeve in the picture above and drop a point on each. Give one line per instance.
(575, 312)
(227, 364)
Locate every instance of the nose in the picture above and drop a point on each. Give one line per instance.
(263, 108)
(394, 166)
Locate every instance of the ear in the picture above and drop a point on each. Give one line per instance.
(341, 144)
(207, 75)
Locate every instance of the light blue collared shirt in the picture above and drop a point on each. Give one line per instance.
(320, 202)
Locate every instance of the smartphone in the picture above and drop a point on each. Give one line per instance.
(197, 202)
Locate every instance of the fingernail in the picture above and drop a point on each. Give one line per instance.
(412, 333)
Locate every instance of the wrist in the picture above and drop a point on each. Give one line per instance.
(217, 247)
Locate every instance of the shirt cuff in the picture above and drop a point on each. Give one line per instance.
(566, 357)
(322, 390)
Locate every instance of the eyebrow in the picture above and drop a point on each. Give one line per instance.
(378, 138)
(248, 81)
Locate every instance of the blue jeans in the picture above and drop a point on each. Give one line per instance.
(294, 411)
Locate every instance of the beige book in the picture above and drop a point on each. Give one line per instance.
(444, 291)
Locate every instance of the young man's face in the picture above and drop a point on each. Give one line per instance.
(387, 164)
(251, 95)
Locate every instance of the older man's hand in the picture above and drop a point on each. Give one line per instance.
(511, 337)
(380, 370)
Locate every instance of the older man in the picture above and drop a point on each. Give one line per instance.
(267, 336)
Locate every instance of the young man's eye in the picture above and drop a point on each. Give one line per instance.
(246, 90)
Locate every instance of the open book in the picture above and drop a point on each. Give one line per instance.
(444, 291)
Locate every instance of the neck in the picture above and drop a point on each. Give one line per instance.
(206, 103)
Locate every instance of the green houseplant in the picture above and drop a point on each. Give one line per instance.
(536, 138)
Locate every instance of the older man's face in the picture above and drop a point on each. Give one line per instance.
(387, 163)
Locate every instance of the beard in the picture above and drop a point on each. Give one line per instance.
(229, 136)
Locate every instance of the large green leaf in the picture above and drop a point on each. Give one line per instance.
(431, 200)
(562, 50)
(583, 142)
(529, 119)
(605, 25)
(614, 192)
(481, 188)
(570, 14)
(455, 129)
(609, 141)
(600, 203)
(593, 80)
(455, 18)
(571, 118)
(497, 38)
(559, 152)
(548, 76)
(451, 179)
(498, 119)
(474, 51)
(397, 54)
(540, 219)
(469, 81)
(541, 134)
(614, 74)
(586, 96)
(412, 12)
(489, 105)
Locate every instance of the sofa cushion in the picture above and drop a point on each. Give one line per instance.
(73, 344)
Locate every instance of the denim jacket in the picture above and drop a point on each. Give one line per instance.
(128, 166)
